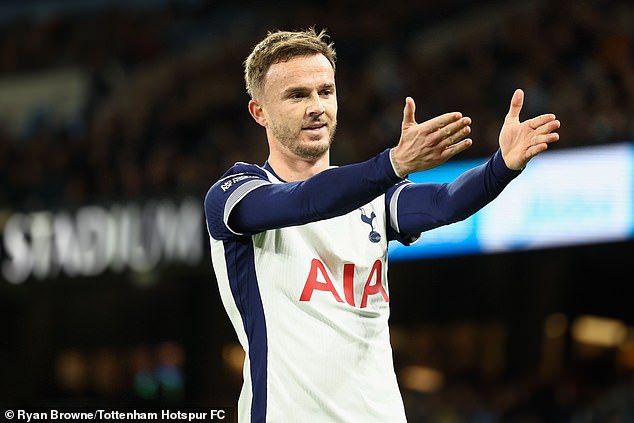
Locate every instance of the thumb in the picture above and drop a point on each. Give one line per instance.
(408, 112)
(513, 116)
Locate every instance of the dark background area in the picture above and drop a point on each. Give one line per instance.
(153, 106)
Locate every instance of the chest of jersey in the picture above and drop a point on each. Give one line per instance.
(340, 261)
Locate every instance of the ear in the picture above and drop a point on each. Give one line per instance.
(256, 111)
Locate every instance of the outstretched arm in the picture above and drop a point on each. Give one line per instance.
(426, 206)
(245, 201)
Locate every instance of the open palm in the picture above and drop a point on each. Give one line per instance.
(521, 141)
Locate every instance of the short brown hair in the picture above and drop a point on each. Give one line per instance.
(279, 46)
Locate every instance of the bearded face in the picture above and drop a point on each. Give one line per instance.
(299, 106)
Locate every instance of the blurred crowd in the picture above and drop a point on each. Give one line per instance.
(164, 109)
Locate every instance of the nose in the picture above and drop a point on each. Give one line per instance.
(316, 106)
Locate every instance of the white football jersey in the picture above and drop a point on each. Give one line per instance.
(310, 306)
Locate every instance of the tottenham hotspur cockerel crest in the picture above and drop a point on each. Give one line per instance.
(374, 236)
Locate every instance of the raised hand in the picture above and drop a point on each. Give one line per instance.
(431, 143)
(521, 141)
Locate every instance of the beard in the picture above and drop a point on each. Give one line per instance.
(308, 149)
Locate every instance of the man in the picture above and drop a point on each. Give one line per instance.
(299, 247)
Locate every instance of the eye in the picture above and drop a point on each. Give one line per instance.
(296, 95)
(327, 91)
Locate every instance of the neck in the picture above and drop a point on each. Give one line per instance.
(298, 169)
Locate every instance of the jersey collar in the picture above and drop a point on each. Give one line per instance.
(268, 168)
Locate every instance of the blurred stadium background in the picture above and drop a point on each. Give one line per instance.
(116, 116)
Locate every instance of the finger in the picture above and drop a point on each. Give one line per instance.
(548, 127)
(538, 121)
(456, 148)
(408, 112)
(456, 127)
(534, 150)
(513, 116)
(456, 136)
(440, 122)
(546, 138)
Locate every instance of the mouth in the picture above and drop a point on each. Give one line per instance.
(314, 128)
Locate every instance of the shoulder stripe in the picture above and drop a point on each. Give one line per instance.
(238, 195)
(394, 208)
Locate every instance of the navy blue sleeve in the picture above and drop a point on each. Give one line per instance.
(221, 198)
(330, 193)
(424, 206)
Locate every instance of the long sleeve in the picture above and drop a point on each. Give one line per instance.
(424, 206)
(245, 201)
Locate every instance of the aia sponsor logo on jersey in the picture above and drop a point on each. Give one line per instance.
(318, 280)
